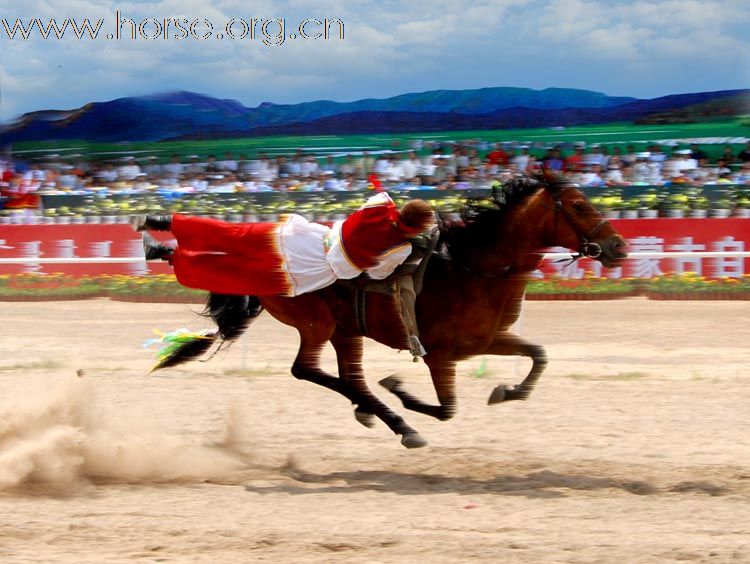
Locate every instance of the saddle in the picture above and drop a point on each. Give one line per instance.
(415, 265)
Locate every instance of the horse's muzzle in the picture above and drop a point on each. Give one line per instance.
(612, 252)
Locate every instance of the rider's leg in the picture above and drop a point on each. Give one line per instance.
(407, 300)
(152, 222)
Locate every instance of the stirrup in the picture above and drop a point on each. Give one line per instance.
(415, 347)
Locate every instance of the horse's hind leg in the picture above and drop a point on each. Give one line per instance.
(349, 357)
(506, 344)
(443, 373)
(307, 366)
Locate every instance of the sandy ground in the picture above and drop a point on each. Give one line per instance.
(635, 446)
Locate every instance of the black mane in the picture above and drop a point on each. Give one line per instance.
(480, 216)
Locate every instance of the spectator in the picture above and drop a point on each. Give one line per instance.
(521, 160)
(106, 174)
(364, 165)
(614, 176)
(228, 164)
(194, 166)
(174, 167)
(308, 167)
(348, 166)
(657, 156)
(574, 163)
(641, 172)
(552, 160)
(380, 165)
(743, 176)
(595, 157)
(211, 164)
(592, 176)
(696, 153)
(744, 155)
(128, 170)
(630, 156)
(152, 167)
(498, 156)
(721, 168)
(727, 156)
(329, 166)
(410, 166)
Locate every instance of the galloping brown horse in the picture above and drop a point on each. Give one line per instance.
(472, 294)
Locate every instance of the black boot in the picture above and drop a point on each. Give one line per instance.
(152, 222)
(155, 250)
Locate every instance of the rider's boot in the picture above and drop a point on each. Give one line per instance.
(152, 222)
(153, 249)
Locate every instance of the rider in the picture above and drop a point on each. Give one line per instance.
(294, 256)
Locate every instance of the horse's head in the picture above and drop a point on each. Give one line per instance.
(575, 223)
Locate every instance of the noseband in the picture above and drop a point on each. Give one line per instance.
(589, 248)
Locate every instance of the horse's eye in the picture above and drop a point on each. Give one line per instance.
(579, 206)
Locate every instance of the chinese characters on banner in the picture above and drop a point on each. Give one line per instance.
(670, 235)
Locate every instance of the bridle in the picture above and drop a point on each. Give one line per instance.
(587, 248)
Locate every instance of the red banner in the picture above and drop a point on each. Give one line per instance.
(74, 241)
(659, 235)
(670, 235)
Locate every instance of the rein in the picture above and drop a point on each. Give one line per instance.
(502, 272)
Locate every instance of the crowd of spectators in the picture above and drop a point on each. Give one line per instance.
(439, 165)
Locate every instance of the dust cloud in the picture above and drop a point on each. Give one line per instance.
(60, 434)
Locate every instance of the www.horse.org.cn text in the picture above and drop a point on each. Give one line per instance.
(268, 31)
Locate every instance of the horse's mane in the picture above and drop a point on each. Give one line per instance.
(480, 215)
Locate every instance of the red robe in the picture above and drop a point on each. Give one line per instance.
(289, 258)
(228, 258)
(371, 231)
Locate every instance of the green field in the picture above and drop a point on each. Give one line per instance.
(614, 134)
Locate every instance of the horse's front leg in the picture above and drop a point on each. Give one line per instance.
(507, 344)
(349, 358)
(443, 373)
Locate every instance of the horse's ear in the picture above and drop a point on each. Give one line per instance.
(496, 187)
(498, 194)
(554, 179)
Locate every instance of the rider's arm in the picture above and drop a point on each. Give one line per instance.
(389, 261)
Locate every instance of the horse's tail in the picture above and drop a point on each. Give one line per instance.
(232, 315)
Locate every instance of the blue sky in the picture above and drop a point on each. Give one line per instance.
(644, 48)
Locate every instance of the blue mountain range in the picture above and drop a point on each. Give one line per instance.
(188, 115)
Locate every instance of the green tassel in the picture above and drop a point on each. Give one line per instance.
(180, 346)
(481, 370)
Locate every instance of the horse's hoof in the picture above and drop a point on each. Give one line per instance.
(390, 383)
(365, 418)
(413, 440)
(497, 396)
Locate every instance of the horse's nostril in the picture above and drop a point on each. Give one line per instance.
(620, 247)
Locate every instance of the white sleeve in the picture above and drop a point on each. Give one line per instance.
(379, 199)
(389, 261)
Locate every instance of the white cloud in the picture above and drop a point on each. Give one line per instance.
(390, 47)
(643, 31)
